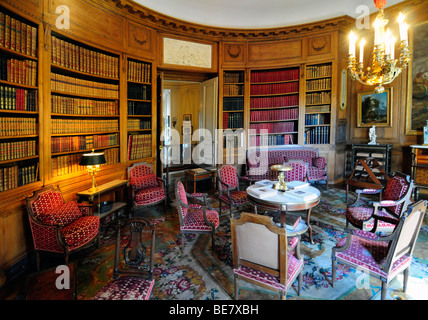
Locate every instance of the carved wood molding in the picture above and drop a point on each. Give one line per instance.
(164, 22)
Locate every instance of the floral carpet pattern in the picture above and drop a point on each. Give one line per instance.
(197, 274)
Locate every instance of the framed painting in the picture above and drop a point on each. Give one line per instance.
(374, 109)
(417, 95)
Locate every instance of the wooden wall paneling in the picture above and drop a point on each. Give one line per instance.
(233, 54)
(271, 53)
(30, 9)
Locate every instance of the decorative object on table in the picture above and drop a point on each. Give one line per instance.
(281, 185)
(92, 161)
(383, 257)
(385, 68)
(58, 226)
(374, 109)
(426, 134)
(372, 135)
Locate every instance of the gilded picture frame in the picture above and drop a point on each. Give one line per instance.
(374, 109)
(417, 85)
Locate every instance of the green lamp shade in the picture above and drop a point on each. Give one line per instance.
(92, 159)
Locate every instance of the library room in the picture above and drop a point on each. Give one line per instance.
(229, 150)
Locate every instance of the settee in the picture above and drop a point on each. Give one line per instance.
(259, 162)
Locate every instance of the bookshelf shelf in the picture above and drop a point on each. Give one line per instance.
(84, 104)
(19, 115)
(318, 103)
(139, 105)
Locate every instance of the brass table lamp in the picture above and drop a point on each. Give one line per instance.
(92, 161)
(281, 185)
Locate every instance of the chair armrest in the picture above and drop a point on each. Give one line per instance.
(319, 162)
(84, 208)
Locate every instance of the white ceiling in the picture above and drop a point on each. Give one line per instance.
(256, 14)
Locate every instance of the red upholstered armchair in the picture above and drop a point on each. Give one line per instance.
(385, 214)
(228, 188)
(146, 188)
(58, 226)
(195, 218)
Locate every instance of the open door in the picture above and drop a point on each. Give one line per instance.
(208, 117)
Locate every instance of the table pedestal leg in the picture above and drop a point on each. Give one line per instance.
(308, 216)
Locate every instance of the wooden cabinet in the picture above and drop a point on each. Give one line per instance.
(19, 110)
(419, 168)
(84, 104)
(381, 152)
(139, 108)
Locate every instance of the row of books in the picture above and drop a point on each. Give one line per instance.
(17, 35)
(139, 71)
(277, 114)
(17, 149)
(70, 163)
(71, 85)
(314, 109)
(137, 124)
(12, 98)
(272, 127)
(233, 120)
(318, 71)
(13, 126)
(70, 105)
(72, 56)
(274, 88)
(318, 97)
(271, 140)
(139, 146)
(277, 75)
(319, 84)
(233, 103)
(317, 135)
(16, 176)
(274, 102)
(18, 71)
(233, 89)
(315, 119)
(138, 91)
(422, 159)
(75, 143)
(233, 77)
(64, 126)
(139, 108)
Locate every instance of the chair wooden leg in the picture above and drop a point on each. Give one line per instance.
(406, 278)
(236, 287)
(182, 242)
(299, 283)
(333, 271)
(384, 290)
(219, 206)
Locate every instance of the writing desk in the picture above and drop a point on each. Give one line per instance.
(284, 202)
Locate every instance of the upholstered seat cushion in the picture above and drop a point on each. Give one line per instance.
(126, 288)
(194, 220)
(293, 267)
(149, 195)
(81, 231)
(368, 254)
(62, 215)
(238, 197)
(360, 216)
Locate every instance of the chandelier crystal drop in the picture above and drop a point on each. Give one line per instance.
(385, 67)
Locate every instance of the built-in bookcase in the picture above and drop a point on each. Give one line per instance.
(274, 106)
(318, 104)
(139, 102)
(19, 110)
(84, 104)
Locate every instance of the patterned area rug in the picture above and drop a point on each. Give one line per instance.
(197, 274)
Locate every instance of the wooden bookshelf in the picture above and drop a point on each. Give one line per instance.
(139, 109)
(19, 110)
(84, 104)
(318, 103)
(274, 106)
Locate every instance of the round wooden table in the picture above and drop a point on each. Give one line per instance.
(284, 201)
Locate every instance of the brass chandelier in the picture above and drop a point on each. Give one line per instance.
(385, 68)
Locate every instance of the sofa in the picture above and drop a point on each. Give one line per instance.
(259, 162)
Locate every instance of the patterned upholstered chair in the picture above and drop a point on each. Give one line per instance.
(261, 255)
(195, 218)
(58, 226)
(228, 188)
(145, 188)
(385, 214)
(133, 263)
(299, 172)
(382, 257)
